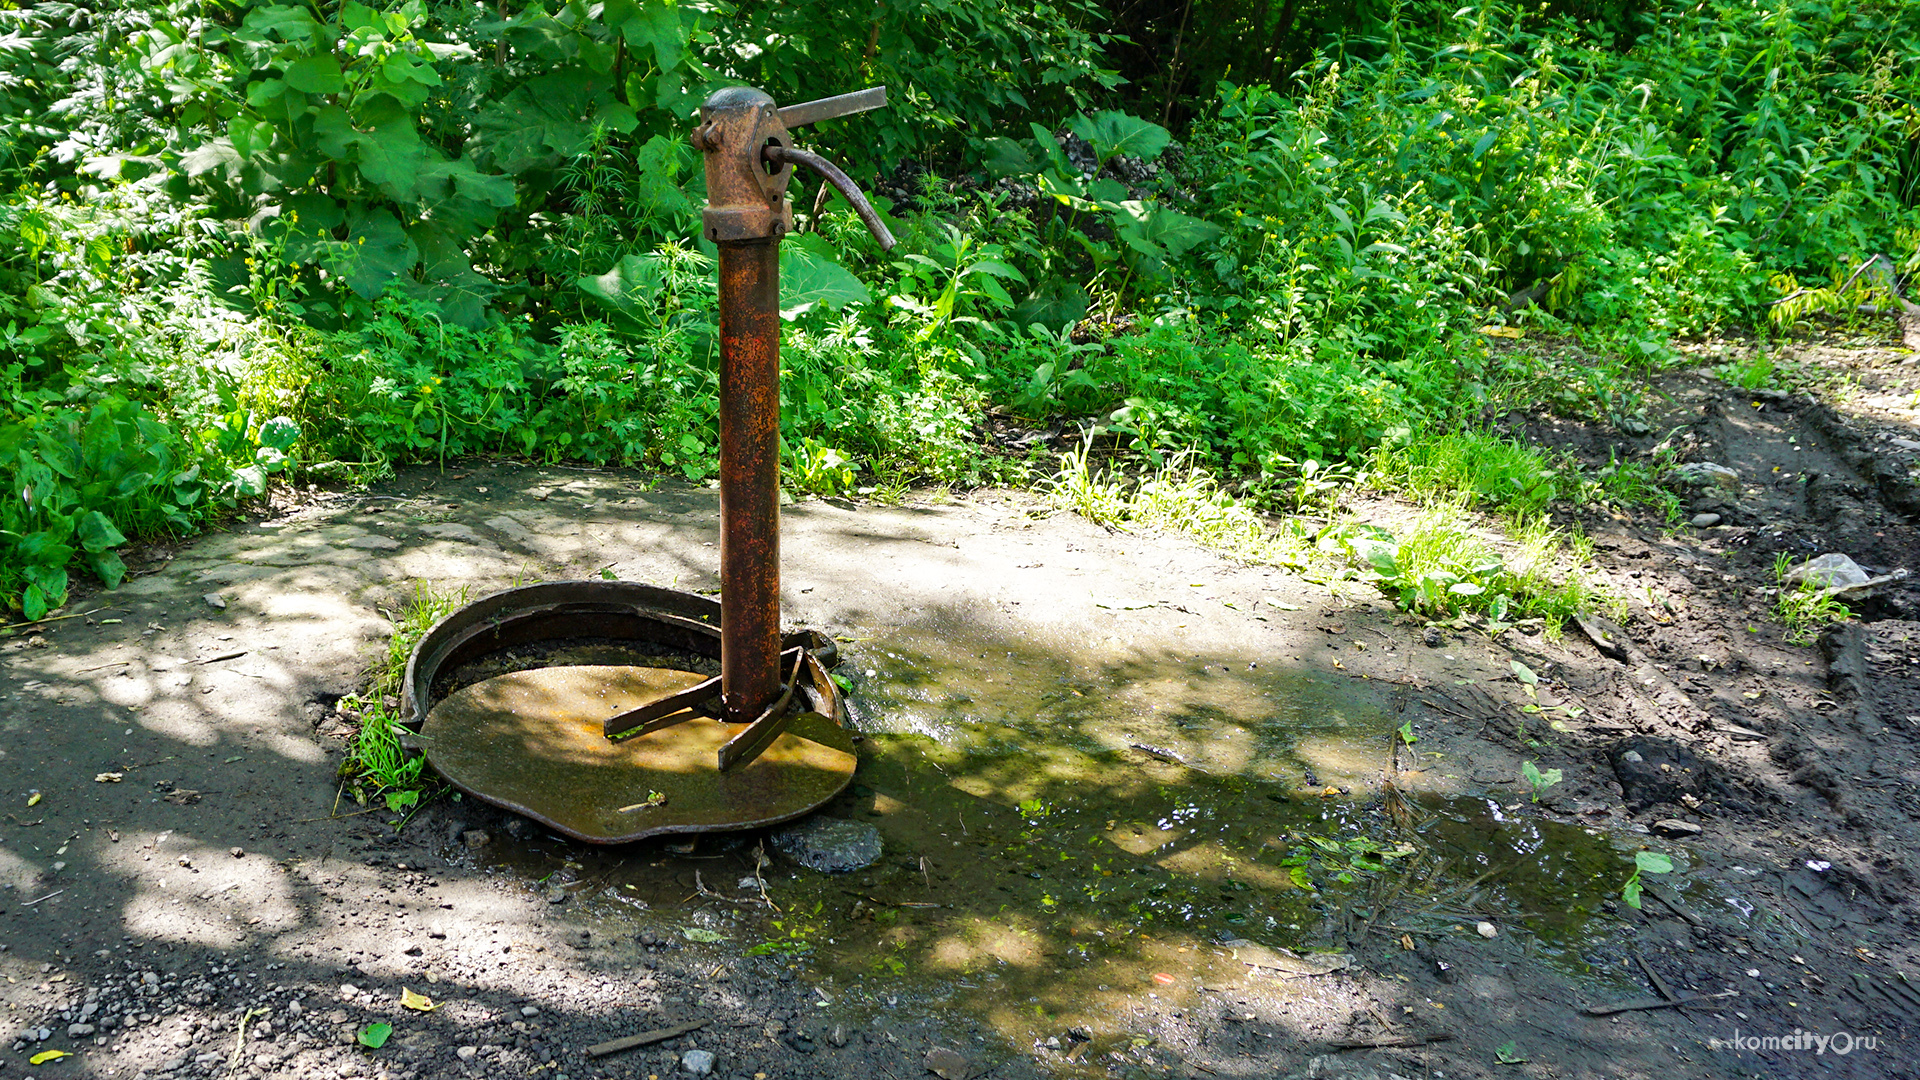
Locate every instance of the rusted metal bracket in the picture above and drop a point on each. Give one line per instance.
(668, 711)
(767, 726)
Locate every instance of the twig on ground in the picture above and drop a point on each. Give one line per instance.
(645, 1038)
(10, 627)
(1394, 1041)
(1645, 1004)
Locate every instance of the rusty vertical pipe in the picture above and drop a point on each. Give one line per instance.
(745, 149)
(749, 478)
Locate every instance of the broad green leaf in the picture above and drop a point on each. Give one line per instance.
(109, 566)
(447, 276)
(1050, 149)
(1152, 229)
(650, 24)
(217, 155)
(280, 433)
(541, 121)
(374, 1036)
(1007, 157)
(632, 286)
(1056, 305)
(1382, 555)
(249, 482)
(1652, 862)
(315, 75)
(287, 22)
(996, 268)
(700, 934)
(376, 252)
(1523, 673)
(96, 533)
(1113, 133)
(809, 275)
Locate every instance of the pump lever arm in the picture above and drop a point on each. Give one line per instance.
(810, 112)
(784, 155)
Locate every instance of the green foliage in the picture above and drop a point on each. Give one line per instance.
(1804, 609)
(1339, 859)
(422, 231)
(1644, 862)
(375, 763)
(1444, 565)
(1537, 780)
(130, 403)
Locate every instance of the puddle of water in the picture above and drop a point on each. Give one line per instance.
(1067, 836)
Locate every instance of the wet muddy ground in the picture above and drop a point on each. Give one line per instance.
(1146, 811)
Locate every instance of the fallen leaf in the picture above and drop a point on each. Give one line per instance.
(34, 799)
(109, 777)
(374, 1036)
(695, 933)
(45, 1056)
(416, 1002)
(182, 797)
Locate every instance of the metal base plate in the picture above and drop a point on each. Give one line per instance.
(531, 741)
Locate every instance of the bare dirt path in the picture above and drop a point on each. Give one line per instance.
(172, 861)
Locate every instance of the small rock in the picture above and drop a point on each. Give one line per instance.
(216, 601)
(838, 1037)
(348, 990)
(1707, 474)
(466, 1053)
(79, 1031)
(1432, 637)
(476, 838)
(1675, 827)
(1656, 771)
(556, 895)
(946, 1064)
(830, 845)
(697, 1062)
(1487, 930)
(42, 1034)
(529, 1010)
(1705, 521)
(238, 852)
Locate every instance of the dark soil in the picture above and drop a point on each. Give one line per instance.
(184, 868)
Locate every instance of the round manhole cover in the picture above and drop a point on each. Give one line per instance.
(531, 741)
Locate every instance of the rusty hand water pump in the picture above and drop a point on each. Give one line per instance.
(749, 161)
(609, 753)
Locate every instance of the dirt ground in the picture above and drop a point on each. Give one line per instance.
(183, 895)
